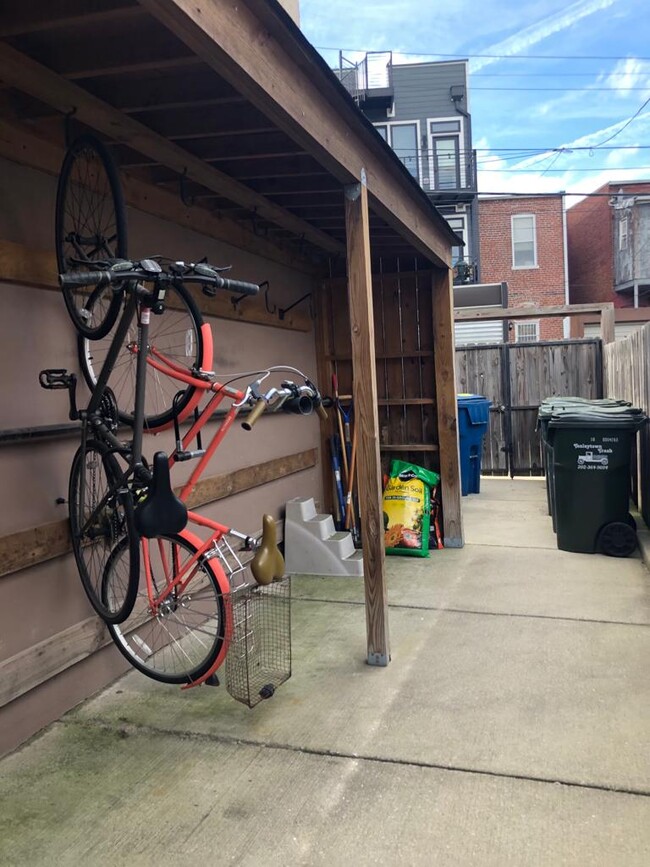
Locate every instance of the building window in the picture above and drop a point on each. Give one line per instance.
(403, 138)
(526, 332)
(445, 154)
(622, 233)
(524, 241)
(459, 225)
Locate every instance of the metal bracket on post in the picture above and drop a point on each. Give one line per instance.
(379, 659)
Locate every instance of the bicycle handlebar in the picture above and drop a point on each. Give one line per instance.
(301, 400)
(149, 271)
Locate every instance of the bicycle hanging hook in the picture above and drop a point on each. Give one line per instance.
(67, 126)
(188, 201)
(283, 311)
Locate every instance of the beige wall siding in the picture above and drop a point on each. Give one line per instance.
(35, 332)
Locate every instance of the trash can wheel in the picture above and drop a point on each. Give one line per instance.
(617, 539)
(631, 521)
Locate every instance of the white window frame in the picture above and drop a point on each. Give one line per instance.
(623, 233)
(462, 161)
(389, 124)
(535, 264)
(465, 251)
(527, 323)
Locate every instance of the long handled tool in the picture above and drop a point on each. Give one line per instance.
(336, 469)
(339, 418)
(349, 511)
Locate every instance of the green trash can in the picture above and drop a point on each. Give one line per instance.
(591, 453)
(546, 410)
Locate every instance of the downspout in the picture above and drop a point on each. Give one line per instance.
(567, 319)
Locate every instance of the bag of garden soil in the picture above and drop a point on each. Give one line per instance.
(407, 509)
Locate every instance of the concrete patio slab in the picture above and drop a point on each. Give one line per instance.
(510, 728)
(98, 795)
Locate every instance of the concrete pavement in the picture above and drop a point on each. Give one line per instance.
(511, 727)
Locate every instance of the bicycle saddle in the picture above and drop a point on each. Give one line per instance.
(268, 563)
(161, 513)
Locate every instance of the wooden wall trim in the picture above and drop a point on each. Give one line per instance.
(39, 544)
(24, 265)
(33, 666)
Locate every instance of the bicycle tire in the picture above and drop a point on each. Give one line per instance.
(90, 225)
(113, 524)
(184, 639)
(180, 334)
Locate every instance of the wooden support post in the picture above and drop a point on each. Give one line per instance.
(366, 419)
(608, 324)
(446, 406)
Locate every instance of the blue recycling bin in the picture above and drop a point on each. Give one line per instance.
(473, 418)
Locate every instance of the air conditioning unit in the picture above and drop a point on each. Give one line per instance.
(461, 209)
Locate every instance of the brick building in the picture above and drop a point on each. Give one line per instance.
(609, 253)
(523, 242)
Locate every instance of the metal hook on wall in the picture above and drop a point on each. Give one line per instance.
(188, 201)
(282, 312)
(67, 126)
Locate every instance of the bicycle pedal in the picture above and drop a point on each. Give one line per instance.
(213, 680)
(56, 377)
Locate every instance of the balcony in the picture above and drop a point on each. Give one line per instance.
(370, 80)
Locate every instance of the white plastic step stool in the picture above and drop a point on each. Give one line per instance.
(312, 546)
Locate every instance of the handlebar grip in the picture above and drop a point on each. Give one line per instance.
(84, 278)
(240, 287)
(254, 414)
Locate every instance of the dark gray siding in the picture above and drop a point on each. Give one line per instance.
(422, 90)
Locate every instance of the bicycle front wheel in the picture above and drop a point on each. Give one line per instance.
(90, 226)
(177, 335)
(101, 518)
(181, 640)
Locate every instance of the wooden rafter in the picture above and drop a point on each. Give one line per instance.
(25, 74)
(27, 21)
(19, 145)
(256, 53)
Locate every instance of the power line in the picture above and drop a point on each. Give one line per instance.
(566, 89)
(628, 122)
(463, 56)
(592, 74)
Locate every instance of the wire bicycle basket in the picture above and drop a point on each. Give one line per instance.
(259, 656)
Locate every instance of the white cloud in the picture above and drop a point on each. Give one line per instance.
(628, 75)
(530, 36)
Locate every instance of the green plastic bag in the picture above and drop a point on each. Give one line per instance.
(407, 509)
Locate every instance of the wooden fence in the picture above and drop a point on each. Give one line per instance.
(516, 377)
(626, 371)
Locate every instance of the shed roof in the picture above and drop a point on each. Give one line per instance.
(226, 105)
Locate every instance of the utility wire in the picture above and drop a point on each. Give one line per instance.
(463, 56)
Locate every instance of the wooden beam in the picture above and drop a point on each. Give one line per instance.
(23, 73)
(367, 422)
(282, 75)
(446, 406)
(608, 324)
(21, 146)
(27, 21)
(38, 544)
(40, 662)
(481, 313)
(137, 67)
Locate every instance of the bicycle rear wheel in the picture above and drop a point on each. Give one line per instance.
(90, 226)
(182, 641)
(178, 334)
(104, 521)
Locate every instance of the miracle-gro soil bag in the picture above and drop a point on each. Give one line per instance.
(407, 508)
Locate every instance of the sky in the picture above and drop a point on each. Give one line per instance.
(557, 90)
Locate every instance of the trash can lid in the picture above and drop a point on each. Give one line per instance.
(470, 398)
(626, 417)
